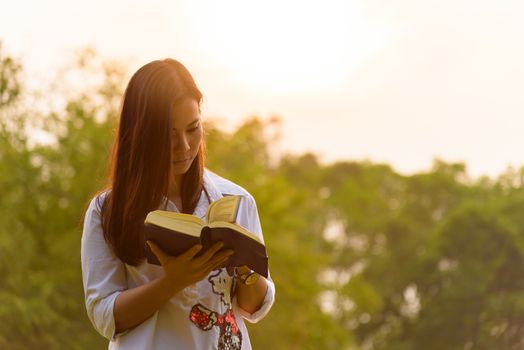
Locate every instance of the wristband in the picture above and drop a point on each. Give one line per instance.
(249, 277)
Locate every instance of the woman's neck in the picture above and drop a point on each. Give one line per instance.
(174, 187)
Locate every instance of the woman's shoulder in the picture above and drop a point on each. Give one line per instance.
(225, 186)
(96, 203)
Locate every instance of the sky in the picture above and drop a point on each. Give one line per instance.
(400, 82)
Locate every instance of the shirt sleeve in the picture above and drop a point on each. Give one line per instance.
(249, 219)
(103, 274)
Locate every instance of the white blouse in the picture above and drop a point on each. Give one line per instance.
(204, 315)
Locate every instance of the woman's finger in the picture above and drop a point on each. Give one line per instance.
(159, 253)
(219, 259)
(225, 254)
(209, 253)
(191, 252)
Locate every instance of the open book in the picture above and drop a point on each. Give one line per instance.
(175, 233)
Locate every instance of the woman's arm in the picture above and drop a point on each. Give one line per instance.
(254, 301)
(251, 297)
(103, 274)
(134, 306)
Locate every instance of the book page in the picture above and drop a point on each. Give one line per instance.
(184, 223)
(223, 209)
(237, 228)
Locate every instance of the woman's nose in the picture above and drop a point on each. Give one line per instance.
(181, 143)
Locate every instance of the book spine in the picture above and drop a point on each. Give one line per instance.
(205, 238)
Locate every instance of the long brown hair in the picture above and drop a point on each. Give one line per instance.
(140, 162)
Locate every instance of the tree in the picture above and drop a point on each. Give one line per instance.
(45, 189)
(362, 257)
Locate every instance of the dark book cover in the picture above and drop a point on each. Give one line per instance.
(247, 251)
(171, 242)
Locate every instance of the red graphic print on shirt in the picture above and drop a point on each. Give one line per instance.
(230, 337)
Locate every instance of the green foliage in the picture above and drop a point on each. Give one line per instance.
(292, 220)
(45, 189)
(362, 257)
(443, 264)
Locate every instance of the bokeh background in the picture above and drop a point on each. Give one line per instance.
(381, 140)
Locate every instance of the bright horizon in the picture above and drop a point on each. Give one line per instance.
(399, 83)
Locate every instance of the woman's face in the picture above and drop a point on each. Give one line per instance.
(186, 136)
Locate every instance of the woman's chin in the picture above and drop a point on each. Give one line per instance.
(180, 167)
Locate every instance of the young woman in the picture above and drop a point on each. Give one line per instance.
(158, 163)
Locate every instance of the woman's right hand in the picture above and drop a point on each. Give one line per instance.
(186, 269)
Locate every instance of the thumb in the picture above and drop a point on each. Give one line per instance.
(159, 253)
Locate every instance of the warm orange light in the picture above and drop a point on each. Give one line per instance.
(284, 46)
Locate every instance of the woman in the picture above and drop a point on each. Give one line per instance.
(188, 302)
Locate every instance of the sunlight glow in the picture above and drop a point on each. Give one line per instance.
(286, 46)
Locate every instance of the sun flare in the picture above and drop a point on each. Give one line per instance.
(284, 46)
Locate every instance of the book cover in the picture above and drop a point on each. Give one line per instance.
(175, 233)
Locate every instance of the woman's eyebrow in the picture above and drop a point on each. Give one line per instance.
(194, 122)
(191, 123)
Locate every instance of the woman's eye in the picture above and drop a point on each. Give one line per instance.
(193, 129)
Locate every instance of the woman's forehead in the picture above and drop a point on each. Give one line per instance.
(185, 113)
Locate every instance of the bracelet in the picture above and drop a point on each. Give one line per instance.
(249, 277)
